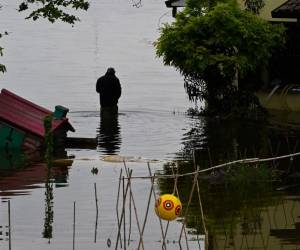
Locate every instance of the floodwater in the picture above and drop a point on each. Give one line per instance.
(51, 64)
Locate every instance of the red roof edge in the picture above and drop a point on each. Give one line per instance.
(29, 122)
(7, 92)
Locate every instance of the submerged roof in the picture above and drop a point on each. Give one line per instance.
(289, 9)
(27, 116)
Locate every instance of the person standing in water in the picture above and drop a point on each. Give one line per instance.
(109, 88)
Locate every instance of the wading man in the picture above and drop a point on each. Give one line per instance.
(109, 89)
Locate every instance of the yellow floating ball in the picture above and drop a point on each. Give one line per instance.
(168, 207)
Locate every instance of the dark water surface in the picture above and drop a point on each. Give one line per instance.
(53, 64)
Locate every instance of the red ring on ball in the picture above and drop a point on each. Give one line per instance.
(168, 205)
(158, 202)
(178, 210)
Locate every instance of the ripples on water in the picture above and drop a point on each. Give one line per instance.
(252, 207)
(149, 133)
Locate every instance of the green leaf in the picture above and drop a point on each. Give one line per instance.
(54, 10)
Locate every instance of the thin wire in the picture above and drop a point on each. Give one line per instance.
(242, 161)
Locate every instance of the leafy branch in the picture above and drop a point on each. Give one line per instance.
(48, 139)
(254, 5)
(54, 9)
(2, 67)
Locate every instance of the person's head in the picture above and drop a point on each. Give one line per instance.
(110, 71)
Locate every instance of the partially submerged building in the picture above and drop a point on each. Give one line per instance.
(288, 58)
(22, 127)
(278, 84)
(281, 80)
(174, 4)
(266, 12)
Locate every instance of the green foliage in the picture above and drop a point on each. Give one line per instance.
(227, 194)
(2, 67)
(49, 213)
(250, 180)
(54, 10)
(201, 7)
(48, 228)
(48, 140)
(254, 5)
(209, 45)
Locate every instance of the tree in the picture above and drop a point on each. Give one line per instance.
(209, 43)
(52, 10)
(254, 5)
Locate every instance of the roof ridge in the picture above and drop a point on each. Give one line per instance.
(22, 100)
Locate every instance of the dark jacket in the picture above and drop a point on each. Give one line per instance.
(109, 88)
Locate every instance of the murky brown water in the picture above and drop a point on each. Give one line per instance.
(57, 64)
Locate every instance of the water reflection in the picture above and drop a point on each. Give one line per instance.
(19, 176)
(49, 214)
(243, 210)
(216, 141)
(288, 236)
(20, 173)
(11, 159)
(255, 206)
(108, 133)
